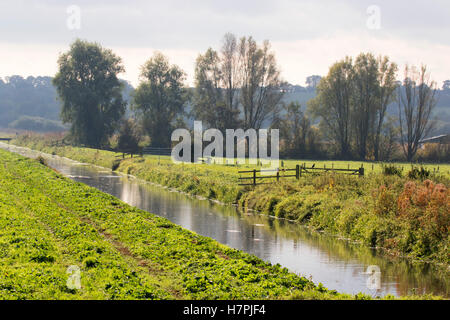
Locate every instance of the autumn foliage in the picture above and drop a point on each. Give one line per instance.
(426, 206)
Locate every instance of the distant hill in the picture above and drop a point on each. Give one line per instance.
(32, 96)
(30, 101)
(441, 113)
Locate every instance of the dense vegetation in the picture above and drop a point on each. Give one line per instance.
(401, 208)
(407, 218)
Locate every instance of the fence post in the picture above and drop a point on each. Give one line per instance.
(361, 171)
(254, 177)
(278, 174)
(297, 172)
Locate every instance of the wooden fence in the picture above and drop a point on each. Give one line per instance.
(125, 153)
(282, 173)
(157, 151)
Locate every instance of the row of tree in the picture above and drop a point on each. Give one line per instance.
(239, 86)
(352, 101)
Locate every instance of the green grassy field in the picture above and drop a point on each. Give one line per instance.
(407, 217)
(107, 158)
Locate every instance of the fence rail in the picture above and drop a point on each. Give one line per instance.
(157, 151)
(125, 153)
(280, 173)
(144, 151)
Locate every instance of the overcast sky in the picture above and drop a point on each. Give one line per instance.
(306, 36)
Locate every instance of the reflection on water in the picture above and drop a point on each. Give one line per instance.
(336, 263)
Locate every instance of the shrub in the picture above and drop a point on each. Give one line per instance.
(391, 170)
(427, 207)
(418, 173)
(433, 152)
(290, 207)
(385, 202)
(129, 137)
(349, 215)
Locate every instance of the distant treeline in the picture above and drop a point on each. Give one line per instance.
(35, 97)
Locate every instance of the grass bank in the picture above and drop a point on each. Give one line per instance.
(406, 216)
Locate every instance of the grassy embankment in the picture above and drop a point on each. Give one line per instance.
(49, 222)
(408, 217)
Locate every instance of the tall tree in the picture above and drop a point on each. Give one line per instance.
(215, 100)
(208, 93)
(386, 94)
(160, 98)
(365, 91)
(230, 79)
(242, 77)
(90, 91)
(333, 104)
(358, 92)
(261, 92)
(417, 98)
